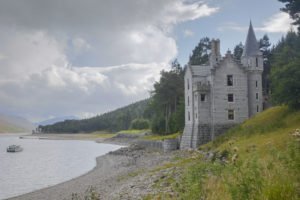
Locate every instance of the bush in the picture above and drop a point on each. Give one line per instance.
(139, 124)
(158, 125)
(286, 84)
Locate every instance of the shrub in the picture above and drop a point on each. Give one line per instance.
(158, 125)
(139, 124)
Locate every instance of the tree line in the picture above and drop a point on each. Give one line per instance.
(119, 119)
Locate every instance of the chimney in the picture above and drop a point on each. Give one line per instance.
(215, 55)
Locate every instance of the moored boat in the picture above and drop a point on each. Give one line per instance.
(14, 148)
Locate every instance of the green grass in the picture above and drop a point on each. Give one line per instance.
(10, 128)
(267, 167)
(102, 134)
(161, 137)
(133, 131)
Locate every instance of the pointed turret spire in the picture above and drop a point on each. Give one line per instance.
(251, 45)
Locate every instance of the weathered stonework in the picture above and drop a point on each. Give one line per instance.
(219, 129)
(223, 93)
(204, 133)
(170, 144)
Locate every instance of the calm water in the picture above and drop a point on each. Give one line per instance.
(44, 163)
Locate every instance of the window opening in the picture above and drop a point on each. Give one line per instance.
(256, 61)
(202, 97)
(231, 114)
(230, 97)
(229, 80)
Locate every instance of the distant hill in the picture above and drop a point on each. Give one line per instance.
(116, 120)
(55, 120)
(14, 124)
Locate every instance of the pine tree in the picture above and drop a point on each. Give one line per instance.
(285, 71)
(200, 54)
(264, 45)
(238, 51)
(167, 99)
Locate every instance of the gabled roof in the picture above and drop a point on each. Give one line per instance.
(251, 45)
(200, 70)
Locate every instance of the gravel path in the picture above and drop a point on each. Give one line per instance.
(113, 172)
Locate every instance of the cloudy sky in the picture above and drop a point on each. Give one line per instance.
(86, 57)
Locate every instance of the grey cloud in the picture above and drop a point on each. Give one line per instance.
(78, 14)
(61, 91)
(106, 25)
(54, 54)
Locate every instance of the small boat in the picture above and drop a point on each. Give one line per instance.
(14, 148)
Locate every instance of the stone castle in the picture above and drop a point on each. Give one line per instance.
(222, 93)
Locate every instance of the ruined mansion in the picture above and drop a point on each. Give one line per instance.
(222, 93)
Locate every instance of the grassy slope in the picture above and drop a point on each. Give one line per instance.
(267, 167)
(14, 124)
(9, 128)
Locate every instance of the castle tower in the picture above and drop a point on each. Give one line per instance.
(253, 61)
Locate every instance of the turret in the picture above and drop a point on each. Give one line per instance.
(253, 62)
(252, 57)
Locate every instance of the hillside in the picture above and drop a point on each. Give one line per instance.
(257, 160)
(116, 120)
(13, 124)
(55, 120)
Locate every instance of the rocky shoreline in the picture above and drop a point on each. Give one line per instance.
(117, 175)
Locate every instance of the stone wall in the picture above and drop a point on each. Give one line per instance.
(187, 137)
(201, 134)
(151, 144)
(170, 144)
(219, 129)
(165, 145)
(204, 133)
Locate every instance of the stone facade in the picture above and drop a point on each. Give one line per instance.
(223, 93)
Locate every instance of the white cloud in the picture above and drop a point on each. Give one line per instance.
(29, 52)
(106, 33)
(2, 57)
(61, 91)
(179, 11)
(188, 33)
(80, 44)
(53, 59)
(278, 23)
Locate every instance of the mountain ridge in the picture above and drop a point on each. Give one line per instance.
(14, 124)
